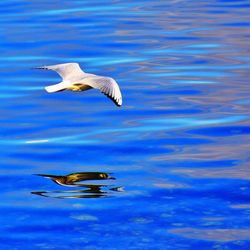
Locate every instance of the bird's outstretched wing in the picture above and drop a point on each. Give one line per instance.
(107, 86)
(68, 71)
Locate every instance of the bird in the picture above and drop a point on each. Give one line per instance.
(75, 79)
(73, 178)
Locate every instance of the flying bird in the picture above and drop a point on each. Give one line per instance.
(74, 178)
(75, 79)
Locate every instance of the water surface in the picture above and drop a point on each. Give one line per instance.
(178, 148)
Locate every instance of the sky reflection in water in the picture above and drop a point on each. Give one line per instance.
(178, 147)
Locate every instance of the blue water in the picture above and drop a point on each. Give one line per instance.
(177, 150)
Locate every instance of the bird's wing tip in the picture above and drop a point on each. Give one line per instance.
(119, 102)
(42, 67)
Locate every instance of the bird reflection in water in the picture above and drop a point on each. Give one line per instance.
(86, 191)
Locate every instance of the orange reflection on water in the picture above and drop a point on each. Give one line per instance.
(86, 191)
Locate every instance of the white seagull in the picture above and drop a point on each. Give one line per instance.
(73, 78)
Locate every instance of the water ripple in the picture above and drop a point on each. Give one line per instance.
(179, 144)
(149, 126)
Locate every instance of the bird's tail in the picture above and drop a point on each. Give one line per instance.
(58, 87)
(55, 88)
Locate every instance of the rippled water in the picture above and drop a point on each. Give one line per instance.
(177, 150)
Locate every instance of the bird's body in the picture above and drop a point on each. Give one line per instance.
(75, 79)
(79, 87)
(74, 178)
